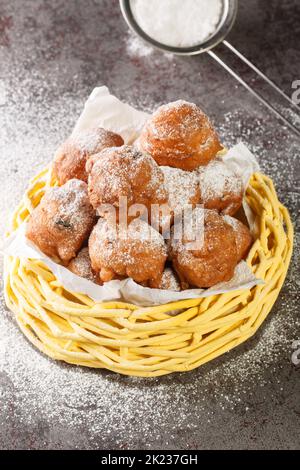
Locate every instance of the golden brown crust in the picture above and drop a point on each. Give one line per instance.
(169, 281)
(71, 158)
(140, 255)
(81, 266)
(180, 135)
(182, 188)
(126, 172)
(212, 262)
(228, 204)
(62, 221)
(176, 167)
(243, 236)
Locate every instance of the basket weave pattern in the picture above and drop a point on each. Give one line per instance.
(149, 341)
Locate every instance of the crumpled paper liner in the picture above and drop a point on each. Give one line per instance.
(104, 109)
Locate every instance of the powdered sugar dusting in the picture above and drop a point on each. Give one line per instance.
(177, 23)
(216, 179)
(138, 251)
(182, 187)
(193, 231)
(191, 119)
(73, 204)
(243, 236)
(81, 265)
(137, 47)
(140, 230)
(94, 140)
(137, 230)
(113, 410)
(245, 398)
(169, 281)
(124, 171)
(234, 223)
(180, 134)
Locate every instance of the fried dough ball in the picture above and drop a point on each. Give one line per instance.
(182, 187)
(206, 262)
(169, 281)
(220, 188)
(124, 171)
(71, 158)
(180, 135)
(81, 266)
(62, 221)
(183, 191)
(243, 236)
(140, 253)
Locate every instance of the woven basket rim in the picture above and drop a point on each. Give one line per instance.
(148, 341)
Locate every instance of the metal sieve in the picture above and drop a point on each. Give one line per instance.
(280, 104)
(227, 19)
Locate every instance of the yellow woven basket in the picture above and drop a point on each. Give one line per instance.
(148, 341)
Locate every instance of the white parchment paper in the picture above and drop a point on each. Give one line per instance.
(104, 109)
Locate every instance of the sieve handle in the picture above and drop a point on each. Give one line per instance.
(282, 106)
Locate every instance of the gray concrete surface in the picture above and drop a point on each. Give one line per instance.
(52, 54)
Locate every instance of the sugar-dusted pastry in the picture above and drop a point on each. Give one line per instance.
(62, 221)
(71, 157)
(182, 188)
(139, 253)
(220, 188)
(169, 281)
(180, 135)
(203, 261)
(243, 236)
(126, 172)
(81, 265)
